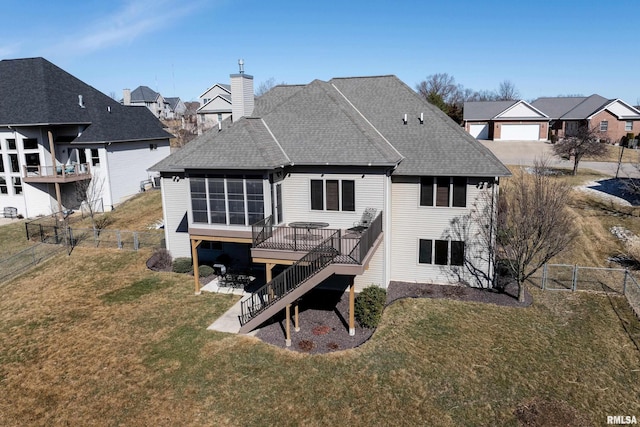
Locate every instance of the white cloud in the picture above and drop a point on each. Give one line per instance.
(136, 18)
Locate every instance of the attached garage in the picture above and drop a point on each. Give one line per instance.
(520, 132)
(479, 131)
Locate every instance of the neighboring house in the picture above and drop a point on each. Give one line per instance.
(145, 96)
(215, 106)
(56, 130)
(613, 118)
(161, 107)
(280, 187)
(505, 120)
(177, 108)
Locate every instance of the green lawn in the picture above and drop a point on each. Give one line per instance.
(92, 339)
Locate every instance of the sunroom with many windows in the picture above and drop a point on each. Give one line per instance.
(227, 200)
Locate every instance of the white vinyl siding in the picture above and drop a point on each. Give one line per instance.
(374, 275)
(296, 195)
(127, 164)
(174, 199)
(412, 222)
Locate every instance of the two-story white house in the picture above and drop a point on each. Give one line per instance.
(285, 186)
(56, 130)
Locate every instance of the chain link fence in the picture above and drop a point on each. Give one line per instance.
(565, 277)
(116, 239)
(24, 260)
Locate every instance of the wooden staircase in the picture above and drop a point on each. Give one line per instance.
(291, 284)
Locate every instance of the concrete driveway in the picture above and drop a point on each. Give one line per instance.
(524, 152)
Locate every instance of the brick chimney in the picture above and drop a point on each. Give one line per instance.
(126, 96)
(241, 93)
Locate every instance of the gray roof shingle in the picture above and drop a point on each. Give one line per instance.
(484, 110)
(346, 121)
(570, 107)
(143, 94)
(33, 91)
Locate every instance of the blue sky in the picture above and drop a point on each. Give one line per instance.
(181, 47)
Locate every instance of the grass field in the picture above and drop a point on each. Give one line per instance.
(96, 339)
(613, 155)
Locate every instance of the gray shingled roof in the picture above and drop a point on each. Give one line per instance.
(437, 147)
(143, 94)
(33, 91)
(173, 101)
(346, 121)
(570, 107)
(484, 110)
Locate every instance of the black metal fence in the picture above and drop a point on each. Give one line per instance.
(295, 275)
(22, 261)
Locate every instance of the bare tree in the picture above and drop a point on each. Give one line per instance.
(534, 224)
(89, 194)
(441, 84)
(507, 91)
(267, 85)
(586, 141)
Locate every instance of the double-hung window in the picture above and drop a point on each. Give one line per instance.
(628, 125)
(229, 201)
(443, 191)
(333, 195)
(441, 252)
(604, 126)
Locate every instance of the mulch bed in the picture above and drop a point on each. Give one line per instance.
(324, 315)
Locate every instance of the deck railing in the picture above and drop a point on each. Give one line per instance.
(352, 250)
(295, 275)
(60, 171)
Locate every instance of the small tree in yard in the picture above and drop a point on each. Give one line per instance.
(533, 222)
(88, 193)
(585, 142)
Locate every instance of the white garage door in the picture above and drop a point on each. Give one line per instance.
(520, 132)
(479, 131)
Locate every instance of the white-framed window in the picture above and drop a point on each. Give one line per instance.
(3, 186)
(15, 165)
(443, 191)
(604, 126)
(153, 147)
(333, 195)
(11, 144)
(628, 125)
(440, 252)
(229, 201)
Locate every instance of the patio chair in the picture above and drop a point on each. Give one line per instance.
(365, 221)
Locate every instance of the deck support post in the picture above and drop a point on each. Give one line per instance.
(352, 303)
(52, 150)
(296, 324)
(269, 278)
(194, 258)
(287, 328)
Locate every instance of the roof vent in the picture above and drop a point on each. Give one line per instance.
(421, 118)
(80, 101)
(109, 108)
(404, 119)
(241, 65)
